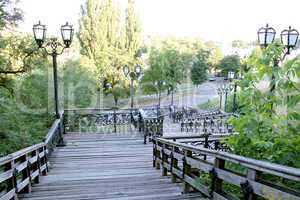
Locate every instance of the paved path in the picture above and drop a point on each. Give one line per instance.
(113, 167)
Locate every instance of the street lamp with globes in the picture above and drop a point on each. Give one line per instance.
(54, 48)
(289, 38)
(132, 75)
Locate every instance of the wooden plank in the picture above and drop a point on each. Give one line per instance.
(8, 196)
(22, 185)
(108, 168)
(6, 175)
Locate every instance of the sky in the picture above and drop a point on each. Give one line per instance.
(218, 20)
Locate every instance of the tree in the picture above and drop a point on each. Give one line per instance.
(133, 31)
(9, 14)
(175, 67)
(214, 56)
(230, 63)
(269, 132)
(240, 44)
(156, 72)
(102, 39)
(200, 67)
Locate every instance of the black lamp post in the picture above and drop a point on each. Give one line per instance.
(133, 75)
(159, 84)
(171, 88)
(226, 89)
(51, 47)
(289, 38)
(220, 93)
(231, 77)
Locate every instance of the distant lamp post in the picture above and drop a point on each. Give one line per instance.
(159, 84)
(289, 38)
(240, 77)
(171, 89)
(226, 89)
(54, 48)
(220, 93)
(231, 75)
(132, 75)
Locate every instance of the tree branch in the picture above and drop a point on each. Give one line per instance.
(13, 71)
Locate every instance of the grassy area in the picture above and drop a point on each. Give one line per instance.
(210, 104)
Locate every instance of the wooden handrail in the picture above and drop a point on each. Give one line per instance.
(165, 151)
(182, 137)
(21, 169)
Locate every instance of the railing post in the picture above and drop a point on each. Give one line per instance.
(164, 159)
(174, 164)
(158, 157)
(246, 187)
(37, 166)
(115, 120)
(216, 182)
(154, 152)
(186, 171)
(12, 182)
(26, 174)
(45, 160)
(61, 141)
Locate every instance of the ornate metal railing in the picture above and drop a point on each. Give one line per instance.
(211, 123)
(20, 170)
(223, 175)
(101, 120)
(146, 120)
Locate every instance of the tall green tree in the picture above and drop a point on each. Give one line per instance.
(215, 55)
(200, 67)
(155, 73)
(133, 31)
(102, 39)
(10, 14)
(175, 67)
(230, 63)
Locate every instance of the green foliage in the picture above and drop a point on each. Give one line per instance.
(210, 104)
(230, 63)
(80, 83)
(133, 31)
(266, 133)
(240, 44)
(156, 72)
(10, 14)
(107, 42)
(167, 64)
(200, 67)
(24, 117)
(215, 55)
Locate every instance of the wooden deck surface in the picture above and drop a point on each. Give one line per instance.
(111, 167)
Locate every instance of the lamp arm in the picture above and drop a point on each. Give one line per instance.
(62, 50)
(285, 53)
(53, 44)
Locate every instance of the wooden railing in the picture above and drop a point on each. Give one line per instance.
(20, 170)
(209, 141)
(223, 175)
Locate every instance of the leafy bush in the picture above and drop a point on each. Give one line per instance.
(266, 132)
